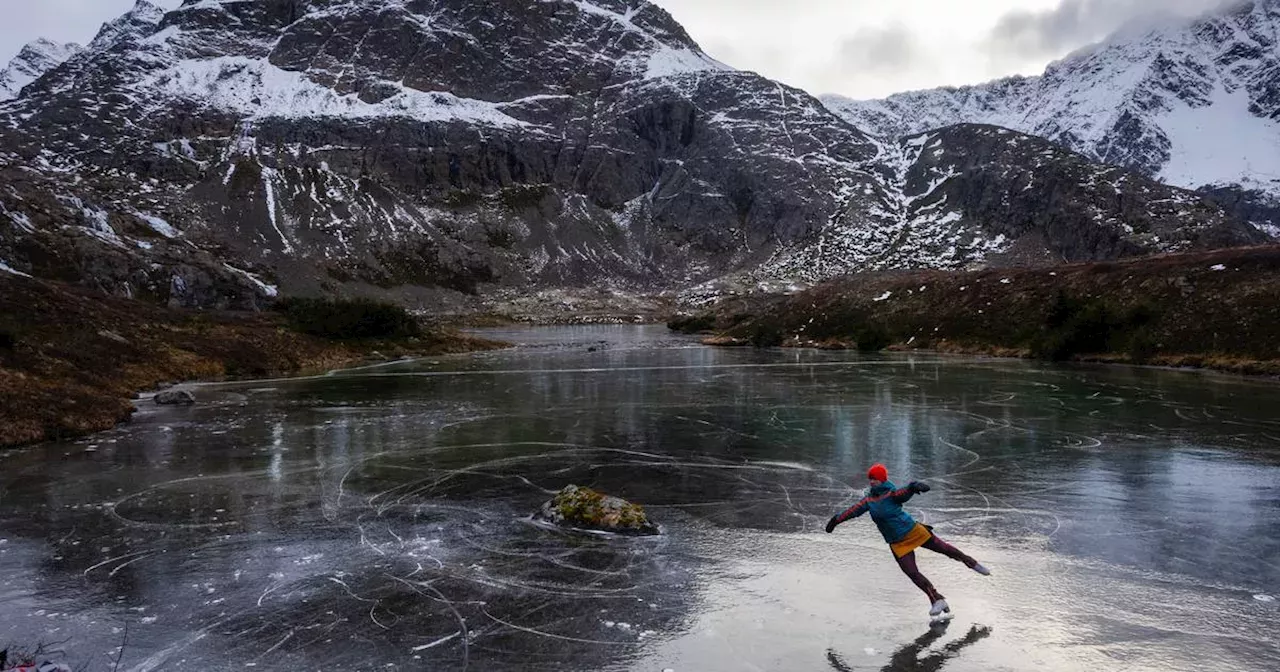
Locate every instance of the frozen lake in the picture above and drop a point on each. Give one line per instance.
(375, 519)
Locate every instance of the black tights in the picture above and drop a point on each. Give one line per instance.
(908, 565)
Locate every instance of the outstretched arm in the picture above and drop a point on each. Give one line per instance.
(851, 512)
(904, 495)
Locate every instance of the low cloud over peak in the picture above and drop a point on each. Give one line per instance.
(1071, 24)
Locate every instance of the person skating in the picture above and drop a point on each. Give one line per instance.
(884, 501)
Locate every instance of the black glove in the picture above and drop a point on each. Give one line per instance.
(919, 487)
(831, 524)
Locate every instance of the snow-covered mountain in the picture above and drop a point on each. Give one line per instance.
(1195, 104)
(233, 148)
(34, 60)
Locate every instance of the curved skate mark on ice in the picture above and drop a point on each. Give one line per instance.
(427, 485)
(792, 466)
(716, 426)
(994, 425)
(1186, 415)
(549, 635)
(418, 587)
(1080, 442)
(268, 591)
(104, 563)
(277, 645)
(1009, 396)
(154, 661)
(749, 466)
(348, 590)
(558, 590)
(438, 642)
(970, 463)
(1025, 513)
(114, 513)
(554, 559)
(122, 566)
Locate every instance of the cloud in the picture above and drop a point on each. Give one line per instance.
(882, 50)
(1073, 23)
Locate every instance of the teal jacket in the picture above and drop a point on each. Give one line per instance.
(884, 502)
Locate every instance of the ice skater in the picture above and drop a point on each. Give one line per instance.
(903, 533)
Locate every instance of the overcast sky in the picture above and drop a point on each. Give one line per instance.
(859, 48)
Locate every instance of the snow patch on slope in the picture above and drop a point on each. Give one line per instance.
(159, 225)
(258, 89)
(1222, 144)
(266, 289)
(668, 61)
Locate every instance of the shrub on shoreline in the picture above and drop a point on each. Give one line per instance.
(348, 319)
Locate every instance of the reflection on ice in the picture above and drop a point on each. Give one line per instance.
(917, 656)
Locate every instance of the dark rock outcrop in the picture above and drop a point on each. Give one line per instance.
(585, 509)
(175, 398)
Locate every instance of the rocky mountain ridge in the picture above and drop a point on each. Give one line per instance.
(1195, 104)
(231, 150)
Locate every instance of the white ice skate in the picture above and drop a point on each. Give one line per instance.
(981, 570)
(940, 613)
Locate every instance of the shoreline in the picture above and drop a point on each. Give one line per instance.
(76, 362)
(148, 394)
(1214, 310)
(1260, 370)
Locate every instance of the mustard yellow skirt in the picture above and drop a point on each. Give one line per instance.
(917, 537)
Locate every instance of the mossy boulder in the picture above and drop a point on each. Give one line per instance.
(584, 508)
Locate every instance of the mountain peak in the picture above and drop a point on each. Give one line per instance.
(1193, 102)
(35, 59)
(140, 21)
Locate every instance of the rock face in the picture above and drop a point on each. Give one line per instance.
(972, 195)
(175, 398)
(584, 508)
(227, 151)
(1195, 104)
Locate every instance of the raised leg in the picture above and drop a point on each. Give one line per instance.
(939, 546)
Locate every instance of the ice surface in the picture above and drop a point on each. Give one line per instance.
(378, 518)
